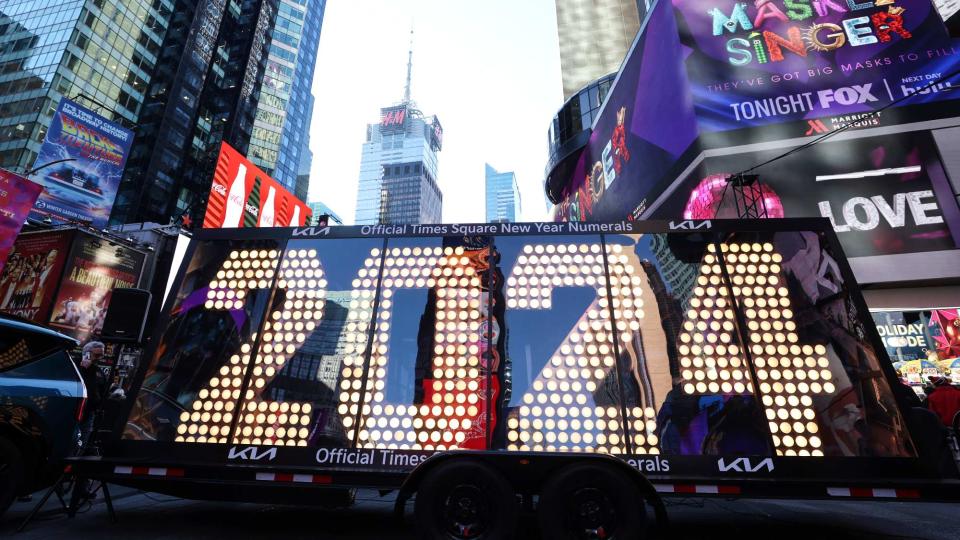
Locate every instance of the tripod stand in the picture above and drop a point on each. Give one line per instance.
(79, 493)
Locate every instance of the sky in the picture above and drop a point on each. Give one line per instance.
(489, 70)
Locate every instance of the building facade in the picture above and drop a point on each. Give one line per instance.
(595, 36)
(502, 196)
(283, 114)
(205, 92)
(101, 53)
(319, 208)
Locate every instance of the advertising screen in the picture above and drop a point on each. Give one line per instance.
(83, 188)
(95, 268)
(17, 195)
(771, 61)
(646, 125)
(242, 195)
(32, 273)
(707, 75)
(884, 195)
(922, 344)
(373, 347)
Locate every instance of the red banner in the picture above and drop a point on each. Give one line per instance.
(17, 195)
(30, 279)
(242, 195)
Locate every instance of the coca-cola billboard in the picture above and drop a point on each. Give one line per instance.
(242, 195)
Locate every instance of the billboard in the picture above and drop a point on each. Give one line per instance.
(884, 195)
(93, 151)
(394, 118)
(706, 75)
(94, 269)
(17, 195)
(242, 195)
(646, 125)
(29, 280)
(768, 62)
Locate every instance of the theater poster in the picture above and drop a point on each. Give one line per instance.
(242, 195)
(17, 195)
(30, 278)
(95, 268)
(80, 165)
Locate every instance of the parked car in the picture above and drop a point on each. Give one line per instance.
(42, 398)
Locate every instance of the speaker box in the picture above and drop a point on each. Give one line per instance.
(126, 316)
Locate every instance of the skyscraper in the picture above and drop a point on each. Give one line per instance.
(503, 196)
(283, 114)
(398, 168)
(595, 36)
(205, 91)
(99, 53)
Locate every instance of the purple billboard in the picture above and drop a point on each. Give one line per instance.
(646, 126)
(770, 61)
(707, 75)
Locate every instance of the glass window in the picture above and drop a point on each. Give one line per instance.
(425, 383)
(192, 387)
(686, 382)
(314, 343)
(20, 346)
(559, 359)
(818, 372)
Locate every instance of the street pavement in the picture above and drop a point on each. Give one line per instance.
(159, 517)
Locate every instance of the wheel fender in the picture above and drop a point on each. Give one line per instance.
(412, 481)
(646, 486)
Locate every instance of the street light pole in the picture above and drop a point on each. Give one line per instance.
(45, 165)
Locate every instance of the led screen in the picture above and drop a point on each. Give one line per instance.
(645, 345)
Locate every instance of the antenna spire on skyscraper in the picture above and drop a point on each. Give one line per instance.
(406, 91)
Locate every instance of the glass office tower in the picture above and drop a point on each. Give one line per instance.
(205, 92)
(398, 169)
(101, 53)
(283, 114)
(503, 196)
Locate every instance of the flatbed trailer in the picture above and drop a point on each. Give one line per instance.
(583, 371)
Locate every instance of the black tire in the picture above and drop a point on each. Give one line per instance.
(591, 501)
(465, 500)
(11, 473)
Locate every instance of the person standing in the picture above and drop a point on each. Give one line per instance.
(94, 381)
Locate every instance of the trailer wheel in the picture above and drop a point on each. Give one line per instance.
(465, 500)
(11, 473)
(591, 501)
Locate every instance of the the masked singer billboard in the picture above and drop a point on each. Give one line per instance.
(707, 75)
(93, 152)
(242, 195)
(769, 61)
